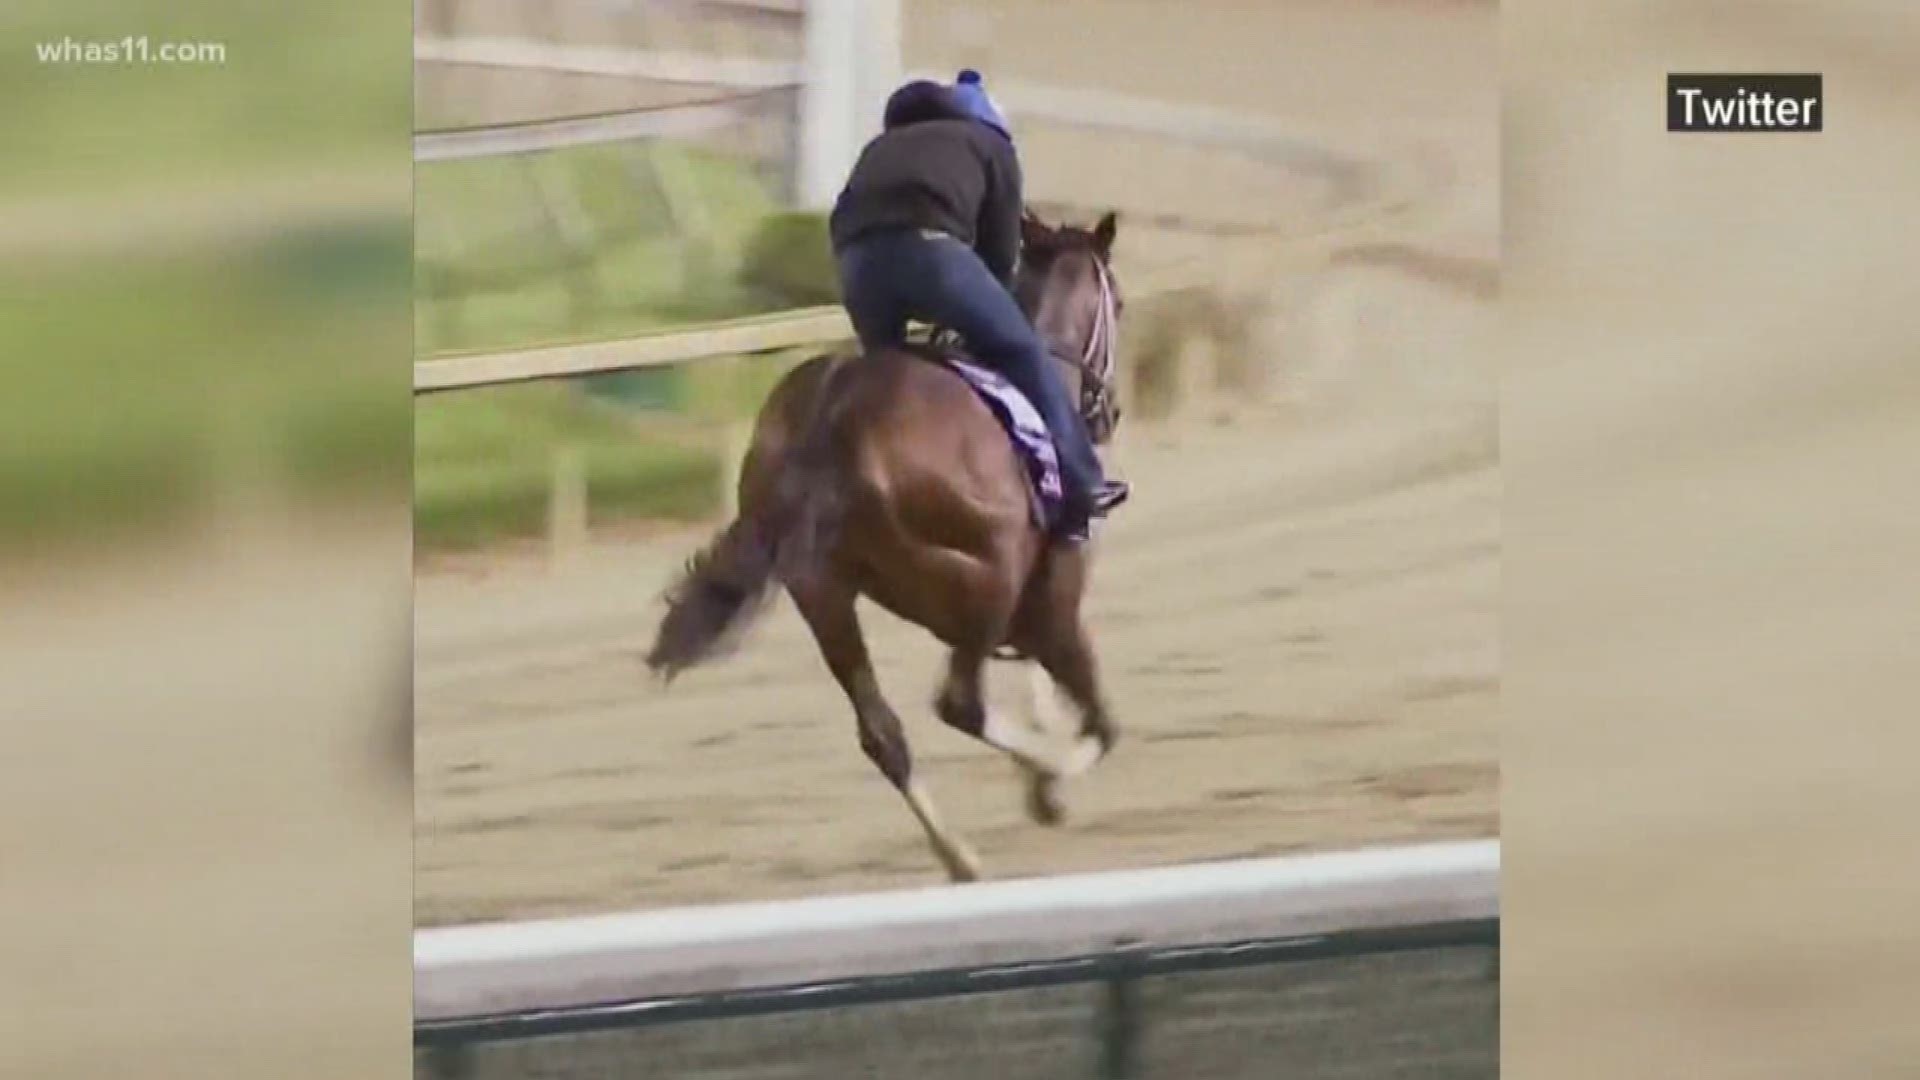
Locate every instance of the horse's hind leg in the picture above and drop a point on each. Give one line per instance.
(962, 706)
(829, 612)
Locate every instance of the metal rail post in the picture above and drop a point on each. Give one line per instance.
(1119, 1028)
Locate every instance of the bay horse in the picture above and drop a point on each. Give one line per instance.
(886, 476)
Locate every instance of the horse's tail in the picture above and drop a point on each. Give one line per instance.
(784, 534)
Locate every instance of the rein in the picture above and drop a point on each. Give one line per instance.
(1097, 359)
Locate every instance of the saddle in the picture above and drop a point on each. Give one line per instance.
(1032, 442)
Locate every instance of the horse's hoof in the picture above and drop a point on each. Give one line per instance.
(1086, 753)
(960, 713)
(1044, 803)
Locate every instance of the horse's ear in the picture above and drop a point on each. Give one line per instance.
(1105, 231)
(1034, 233)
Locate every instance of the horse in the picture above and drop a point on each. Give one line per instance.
(886, 476)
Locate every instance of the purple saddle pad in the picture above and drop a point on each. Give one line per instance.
(1031, 441)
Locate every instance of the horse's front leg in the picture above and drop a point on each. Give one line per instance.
(1056, 637)
(829, 612)
(1067, 656)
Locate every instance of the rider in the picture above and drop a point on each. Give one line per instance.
(928, 228)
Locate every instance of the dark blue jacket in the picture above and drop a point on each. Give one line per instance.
(937, 166)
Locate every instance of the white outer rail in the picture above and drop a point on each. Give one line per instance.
(557, 964)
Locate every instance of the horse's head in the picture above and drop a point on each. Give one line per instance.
(1068, 288)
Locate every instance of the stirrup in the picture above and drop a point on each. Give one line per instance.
(1072, 533)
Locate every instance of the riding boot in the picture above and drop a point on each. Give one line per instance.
(1077, 515)
(1089, 494)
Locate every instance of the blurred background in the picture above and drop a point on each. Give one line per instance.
(1709, 412)
(204, 417)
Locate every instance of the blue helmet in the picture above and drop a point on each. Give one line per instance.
(971, 93)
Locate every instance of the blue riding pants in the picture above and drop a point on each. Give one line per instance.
(889, 277)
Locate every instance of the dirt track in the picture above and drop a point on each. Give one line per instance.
(1297, 616)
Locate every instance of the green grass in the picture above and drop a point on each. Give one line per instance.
(658, 236)
(485, 462)
(484, 459)
(587, 242)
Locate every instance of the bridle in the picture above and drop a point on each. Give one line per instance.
(1098, 359)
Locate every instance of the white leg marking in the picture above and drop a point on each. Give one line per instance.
(1043, 701)
(1086, 753)
(954, 854)
(1043, 706)
(1029, 747)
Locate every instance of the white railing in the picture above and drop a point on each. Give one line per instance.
(681, 121)
(806, 327)
(544, 966)
(658, 65)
